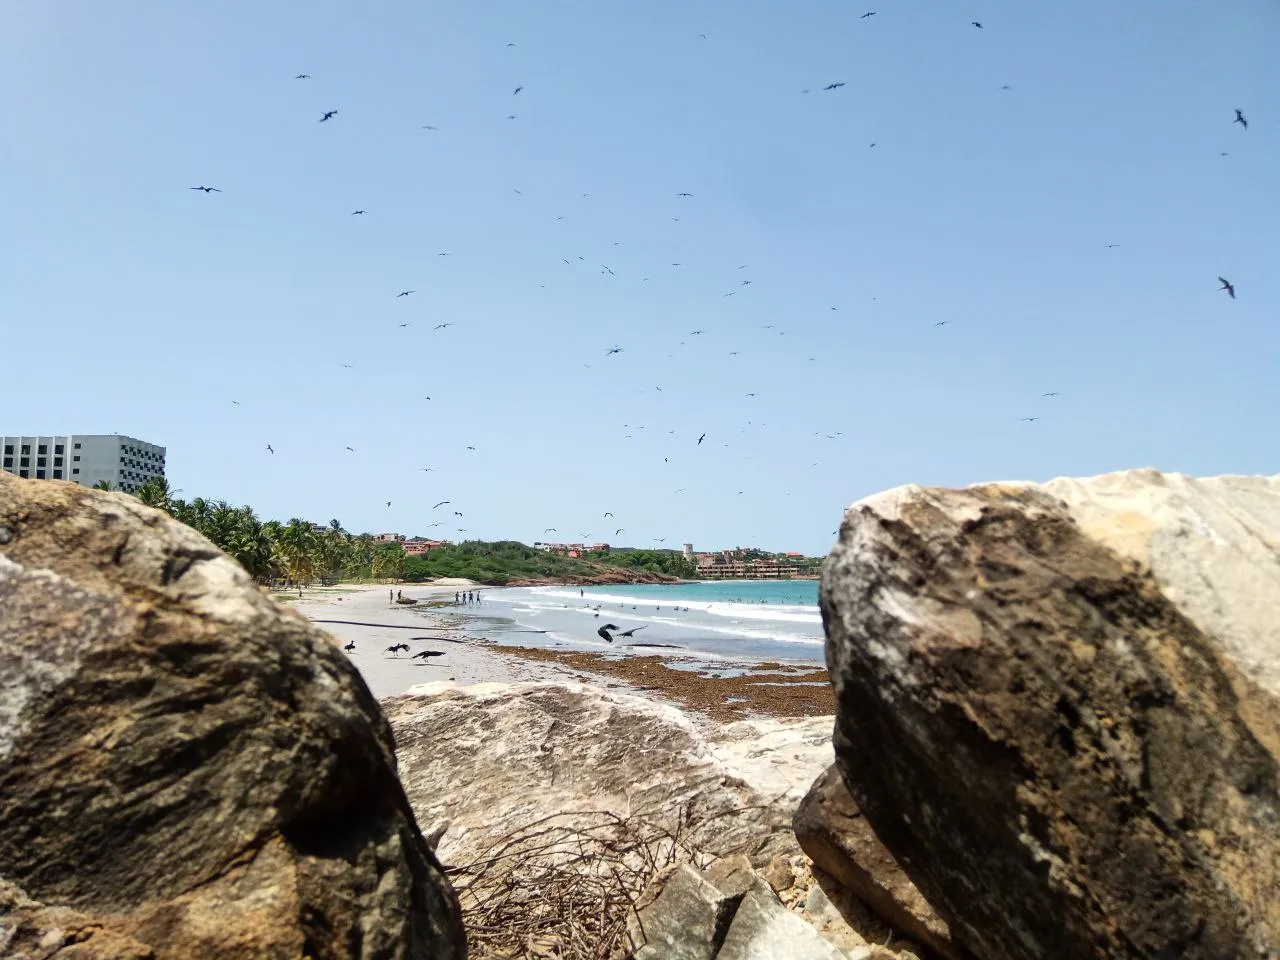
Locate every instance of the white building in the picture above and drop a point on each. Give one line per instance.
(86, 459)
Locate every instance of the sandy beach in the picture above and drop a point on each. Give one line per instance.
(364, 615)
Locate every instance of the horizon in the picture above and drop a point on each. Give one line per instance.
(929, 254)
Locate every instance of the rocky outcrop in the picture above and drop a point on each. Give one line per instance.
(1061, 717)
(837, 837)
(187, 770)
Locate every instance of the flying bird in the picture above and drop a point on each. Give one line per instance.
(1110, 245)
(269, 450)
(303, 76)
(976, 24)
(701, 438)
(352, 449)
(834, 86)
(512, 116)
(1029, 419)
(236, 402)
(207, 189)
(328, 114)
(604, 634)
(427, 653)
(869, 13)
(1228, 286)
(516, 90)
(428, 127)
(1241, 120)
(942, 323)
(684, 194)
(630, 633)
(395, 648)
(1053, 393)
(608, 514)
(441, 326)
(405, 293)
(620, 530)
(388, 503)
(551, 530)
(427, 469)
(470, 448)
(442, 503)
(613, 351)
(444, 254)
(403, 325)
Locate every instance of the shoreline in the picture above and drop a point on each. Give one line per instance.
(357, 614)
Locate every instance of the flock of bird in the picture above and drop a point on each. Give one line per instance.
(743, 285)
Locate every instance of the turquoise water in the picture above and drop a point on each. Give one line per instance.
(739, 620)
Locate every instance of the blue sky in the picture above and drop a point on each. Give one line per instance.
(130, 303)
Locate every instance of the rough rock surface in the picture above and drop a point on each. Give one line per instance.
(837, 837)
(187, 770)
(517, 753)
(763, 929)
(687, 920)
(1070, 756)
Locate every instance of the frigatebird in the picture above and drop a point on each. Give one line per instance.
(1228, 286)
(327, 115)
(1241, 120)
(207, 189)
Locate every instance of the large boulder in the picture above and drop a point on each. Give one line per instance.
(1062, 715)
(186, 769)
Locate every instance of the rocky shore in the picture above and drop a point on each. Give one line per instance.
(1056, 714)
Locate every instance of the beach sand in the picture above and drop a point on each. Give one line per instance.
(767, 689)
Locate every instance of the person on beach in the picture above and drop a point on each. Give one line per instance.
(391, 596)
(397, 594)
(456, 595)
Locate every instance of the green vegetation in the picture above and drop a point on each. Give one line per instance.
(297, 553)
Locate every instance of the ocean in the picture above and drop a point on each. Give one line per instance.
(755, 620)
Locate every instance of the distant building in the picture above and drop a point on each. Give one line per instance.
(417, 546)
(388, 538)
(688, 551)
(87, 459)
(728, 566)
(571, 549)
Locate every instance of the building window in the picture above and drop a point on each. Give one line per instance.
(8, 448)
(57, 461)
(8, 462)
(74, 471)
(77, 446)
(57, 474)
(76, 458)
(22, 473)
(39, 474)
(57, 448)
(26, 448)
(24, 461)
(40, 461)
(44, 448)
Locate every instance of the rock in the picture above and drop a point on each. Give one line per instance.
(686, 921)
(186, 769)
(515, 754)
(1072, 756)
(835, 834)
(778, 874)
(763, 929)
(825, 917)
(733, 876)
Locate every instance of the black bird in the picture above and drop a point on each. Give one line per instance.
(405, 293)
(869, 13)
(1241, 120)
(512, 116)
(269, 450)
(701, 438)
(427, 653)
(1228, 286)
(613, 351)
(1029, 419)
(236, 402)
(976, 24)
(404, 325)
(620, 530)
(356, 213)
(428, 127)
(942, 323)
(442, 503)
(388, 503)
(516, 90)
(629, 633)
(350, 646)
(684, 194)
(352, 449)
(1110, 245)
(303, 76)
(550, 530)
(207, 189)
(834, 86)
(396, 648)
(441, 326)
(328, 114)
(608, 514)
(444, 254)
(604, 634)
(1052, 393)
(470, 448)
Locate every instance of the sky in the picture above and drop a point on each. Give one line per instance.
(975, 178)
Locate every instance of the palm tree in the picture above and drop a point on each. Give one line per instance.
(298, 550)
(156, 492)
(104, 485)
(389, 560)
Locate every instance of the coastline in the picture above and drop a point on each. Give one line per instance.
(360, 614)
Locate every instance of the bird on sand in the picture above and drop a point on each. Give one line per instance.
(1228, 286)
(207, 189)
(328, 114)
(357, 213)
(349, 647)
(701, 438)
(604, 633)
(269, 450)
(1241, 120)
(442, 503)
(423, 655)
(303, 76)
(395, 648)
(834, 86)
(630, 633)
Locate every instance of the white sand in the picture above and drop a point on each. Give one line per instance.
(388, 675)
